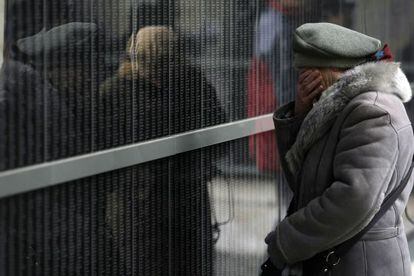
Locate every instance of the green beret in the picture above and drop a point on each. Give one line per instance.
(330, 45)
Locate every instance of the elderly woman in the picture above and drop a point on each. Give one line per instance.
(346, 143)
(157, 93)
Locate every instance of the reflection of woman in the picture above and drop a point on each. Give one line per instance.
(157, 93)
(45, 90)
(25, 93)
(346, 142)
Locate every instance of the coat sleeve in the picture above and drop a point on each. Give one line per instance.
(364, 162)
(286, 128)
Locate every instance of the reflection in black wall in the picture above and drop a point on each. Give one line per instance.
(69, 86)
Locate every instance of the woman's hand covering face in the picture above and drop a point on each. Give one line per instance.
(310, 86)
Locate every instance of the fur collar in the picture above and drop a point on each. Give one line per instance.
(384, 77)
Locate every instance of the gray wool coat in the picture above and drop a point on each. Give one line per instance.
(341, 160)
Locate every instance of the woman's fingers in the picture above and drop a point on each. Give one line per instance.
(306, 89)
(303, 74)
(311, 86)
(311, 77)
(315, 94)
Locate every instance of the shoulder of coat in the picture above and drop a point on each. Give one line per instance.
(385, 103)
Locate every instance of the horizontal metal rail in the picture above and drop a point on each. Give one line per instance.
(52, 173)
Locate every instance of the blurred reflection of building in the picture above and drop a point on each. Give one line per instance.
(338, 12)
(271, 78)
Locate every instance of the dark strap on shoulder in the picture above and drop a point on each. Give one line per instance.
(344, 247)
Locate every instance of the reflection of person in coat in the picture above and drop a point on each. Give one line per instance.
(157, 93)
(66, 55)
(271, 79)
(345, 143)
(35, 95)
(25, 95)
